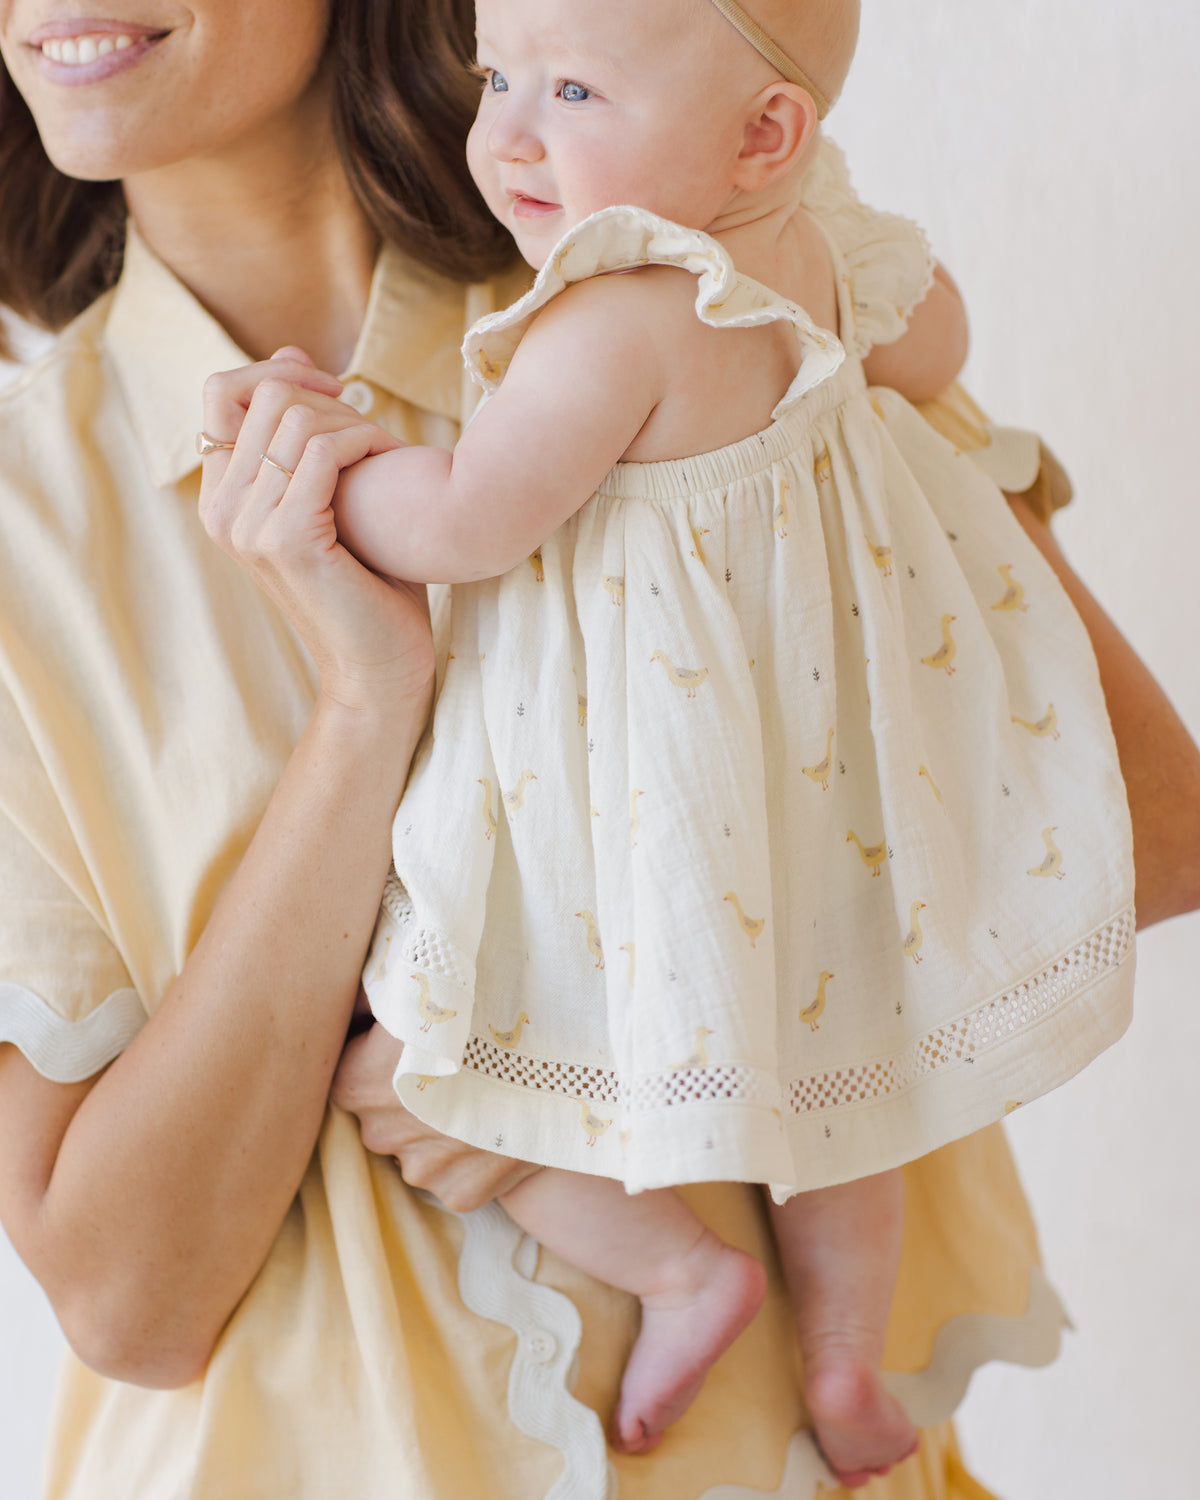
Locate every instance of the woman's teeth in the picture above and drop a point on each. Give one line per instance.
(80, 50)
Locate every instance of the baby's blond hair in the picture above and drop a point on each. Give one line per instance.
(819, 36)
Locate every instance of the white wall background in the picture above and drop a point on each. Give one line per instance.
(1051, 149)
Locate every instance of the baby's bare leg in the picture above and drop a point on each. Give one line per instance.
(697, 1292)
(840, 1249)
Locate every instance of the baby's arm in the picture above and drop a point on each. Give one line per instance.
(580, 387)
(933, 348)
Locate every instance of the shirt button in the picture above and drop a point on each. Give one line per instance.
(540, 1347)
(358, 394)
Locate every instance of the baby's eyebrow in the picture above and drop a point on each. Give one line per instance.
(570, 54)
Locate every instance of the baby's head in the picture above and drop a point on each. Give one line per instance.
(660, 103)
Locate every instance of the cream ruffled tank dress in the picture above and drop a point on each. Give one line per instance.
(769, 826)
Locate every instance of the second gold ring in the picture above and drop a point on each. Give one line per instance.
(267, 459)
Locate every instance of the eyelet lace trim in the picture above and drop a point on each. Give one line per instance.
(421, 946)
(956, 1044)
(960, 1042)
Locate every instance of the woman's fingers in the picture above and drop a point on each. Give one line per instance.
(462, 1177)
(280, 419)
(227, 395)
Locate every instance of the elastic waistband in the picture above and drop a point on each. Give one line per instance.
(675, 478)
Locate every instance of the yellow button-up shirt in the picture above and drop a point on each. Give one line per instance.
(150, 696)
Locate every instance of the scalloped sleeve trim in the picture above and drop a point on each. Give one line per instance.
(68, 1051)
(624, 237)
(888, 259)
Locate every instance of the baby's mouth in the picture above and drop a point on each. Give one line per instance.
(526, 207)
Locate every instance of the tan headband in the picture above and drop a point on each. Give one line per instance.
(773, 53)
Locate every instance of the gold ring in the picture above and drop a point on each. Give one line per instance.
(206, 445)
(267, 459)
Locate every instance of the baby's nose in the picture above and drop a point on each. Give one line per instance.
(512, 139)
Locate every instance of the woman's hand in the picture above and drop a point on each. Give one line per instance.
(368, 636)
(460, 1176)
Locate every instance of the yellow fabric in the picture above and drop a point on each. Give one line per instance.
(956, 416)
(149, 698)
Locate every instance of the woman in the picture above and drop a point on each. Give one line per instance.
(194, 818)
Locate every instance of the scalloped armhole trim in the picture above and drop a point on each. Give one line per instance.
(68, 1051)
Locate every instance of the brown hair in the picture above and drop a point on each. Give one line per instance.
(403, 102)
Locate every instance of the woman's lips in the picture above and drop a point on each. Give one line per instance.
(88, 51)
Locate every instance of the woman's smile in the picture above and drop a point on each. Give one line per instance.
(89, 50)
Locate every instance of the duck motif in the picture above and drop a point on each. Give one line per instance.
(924, 771)
(384, 962)
(823, 467)
(593, 937)
(431, 1013)
(821, 771)
(882, 555)
(943, 657)
(535, 562)
(593, 1126)
(614, 587)
(872, 855)
(697, 548)
(1014, 593)
(489, 817)
(515, 799)
(751, 926)
(780, 518)
(1053, 862)
(631, 950)
(635, 818)
(813, 1013)
(510, 1040)
(699, 1057)
(560, 259)
(688, 678)
(1044, 728)
(915, 937)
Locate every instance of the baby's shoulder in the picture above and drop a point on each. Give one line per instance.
(618, 316)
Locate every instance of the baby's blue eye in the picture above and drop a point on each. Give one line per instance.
(497, 82)
(574, 93)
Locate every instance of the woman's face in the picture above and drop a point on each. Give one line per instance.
(120, 87)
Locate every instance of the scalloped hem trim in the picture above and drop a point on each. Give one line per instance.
(68, 1051)
(495, 1274)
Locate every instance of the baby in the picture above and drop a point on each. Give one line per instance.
(737, 848)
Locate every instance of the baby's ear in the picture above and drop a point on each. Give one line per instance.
(780, 123)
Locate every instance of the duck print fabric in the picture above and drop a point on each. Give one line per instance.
(769, 826)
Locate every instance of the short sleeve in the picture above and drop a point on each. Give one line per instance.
(887, 257)
(66, 997)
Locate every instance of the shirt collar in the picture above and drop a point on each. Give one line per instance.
(164, 345)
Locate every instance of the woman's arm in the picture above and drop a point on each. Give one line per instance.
(1159, 759)
(146, 1199)
(933, 349)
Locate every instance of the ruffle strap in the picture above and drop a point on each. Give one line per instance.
(887, 257)
(622, 238)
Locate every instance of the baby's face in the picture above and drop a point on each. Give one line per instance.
(588, 103)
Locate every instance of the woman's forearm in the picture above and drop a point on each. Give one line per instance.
(1159, 759)
(157, 1197)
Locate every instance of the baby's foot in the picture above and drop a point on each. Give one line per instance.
(686, 1327)
(861, 1429)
